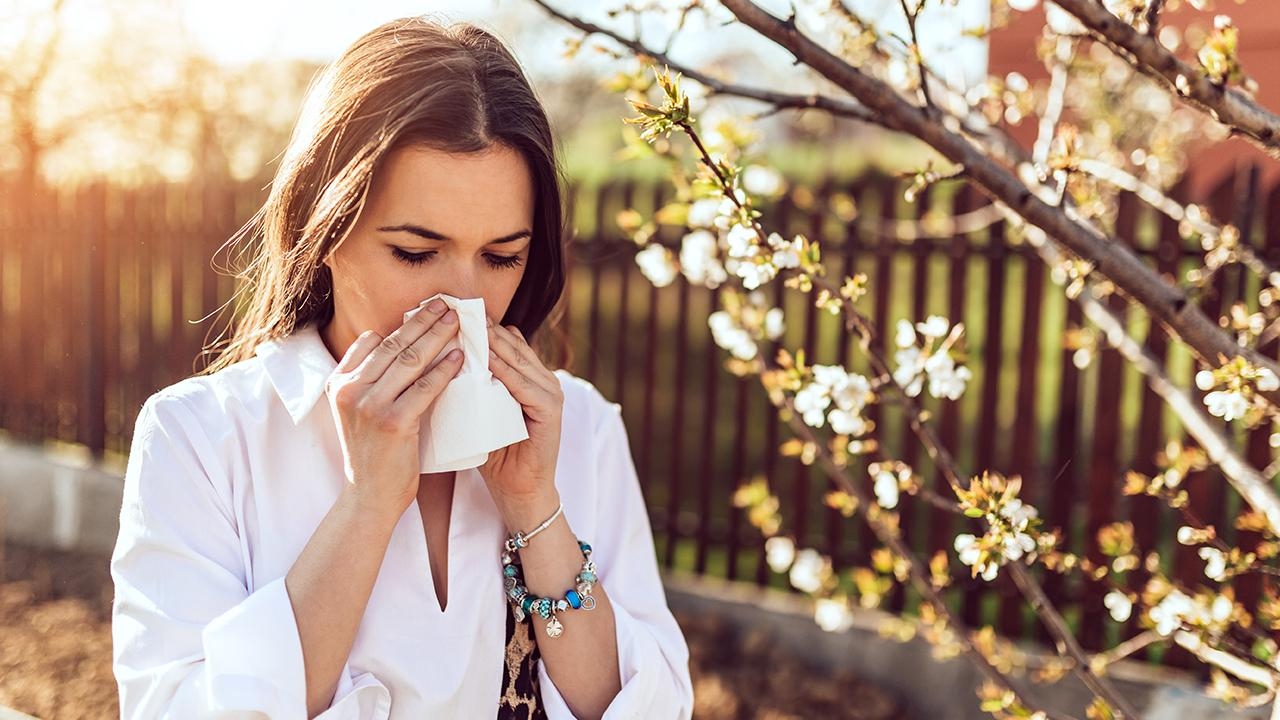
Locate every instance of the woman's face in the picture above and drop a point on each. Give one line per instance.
(434, 222)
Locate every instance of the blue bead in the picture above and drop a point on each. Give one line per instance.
(509, 571)
(585, 547)
(575, 600)
(588, 576)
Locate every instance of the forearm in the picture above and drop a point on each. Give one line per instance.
(329, 587)
(583, 660)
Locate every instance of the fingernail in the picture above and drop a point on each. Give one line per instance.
(450, 317)
(488, 321)
(436, 306)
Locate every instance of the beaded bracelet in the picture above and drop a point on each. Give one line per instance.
(520, 540)
(525, 604)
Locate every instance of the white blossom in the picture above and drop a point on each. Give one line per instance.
(906, 335)
(845, 422)
(755, 274)
(1205, 380)
(945, 379)
(1169, 612)
(761, 180)
(1226, 404)
(910, 371)
(1267, 380)
(731, 337)
(832, 615)
(698, 259)
(934, 326)
(811, 402)
(808, 570)
(786, 254)
(886, 489)
(703, 213)
(773, 323)
(742, 242)
(970, 553)
(1215, 566)
(1119, 605)
(656, 264)
(780, 552)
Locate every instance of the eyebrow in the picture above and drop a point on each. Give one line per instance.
(433, 235)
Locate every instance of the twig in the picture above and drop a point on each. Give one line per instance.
(1225, 104)
(1170, 305)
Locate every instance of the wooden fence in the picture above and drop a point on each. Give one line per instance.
(101, 290)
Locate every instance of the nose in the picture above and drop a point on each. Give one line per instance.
(462, 281)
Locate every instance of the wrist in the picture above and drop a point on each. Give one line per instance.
(522, 513)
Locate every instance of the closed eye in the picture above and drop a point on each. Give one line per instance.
(494, 261)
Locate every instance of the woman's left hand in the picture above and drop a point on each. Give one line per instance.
(526, 469)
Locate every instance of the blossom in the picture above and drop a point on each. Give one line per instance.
(1267, 380)
(761, 180)
(1215, 566)
(910, 371)
(934, 326)
(755, 274)
(703, 213)
(945, 379)
(786, 254)
(886, 489)
(809, 570)
(1226, 404)
(780, 552)
(729, 336)
(971, 553)
(698, 259)
(742, 242)
(1119, 605)
(656, 265)
(832, 615)
(811, 402)
(915, 364)
(906, 335)
(773, 325)
(1169, 612)
(849, 392)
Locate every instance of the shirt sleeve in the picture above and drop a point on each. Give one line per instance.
(653, 657)
(188, 638)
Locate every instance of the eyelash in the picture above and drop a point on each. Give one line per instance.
(502, 261)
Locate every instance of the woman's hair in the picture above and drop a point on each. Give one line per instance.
(412, 81)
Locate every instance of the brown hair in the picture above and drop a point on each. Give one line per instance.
(411, 81)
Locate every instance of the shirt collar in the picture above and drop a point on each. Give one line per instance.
(298, 365)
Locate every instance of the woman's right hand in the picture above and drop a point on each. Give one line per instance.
(378, 392)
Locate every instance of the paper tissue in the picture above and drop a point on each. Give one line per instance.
(475, 414)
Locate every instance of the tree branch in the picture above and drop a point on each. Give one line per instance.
(1169, 305)
(1225, 104)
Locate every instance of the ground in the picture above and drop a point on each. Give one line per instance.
(55, 653)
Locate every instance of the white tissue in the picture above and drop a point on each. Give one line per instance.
(475, 414)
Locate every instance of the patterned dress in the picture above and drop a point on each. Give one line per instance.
(521, 696)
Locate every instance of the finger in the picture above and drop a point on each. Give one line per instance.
(534, 398)
(512, 348)
(411, 362)
(359, 350)
(417, 398)
(423, 318)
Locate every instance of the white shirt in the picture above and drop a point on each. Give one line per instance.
(228, 477)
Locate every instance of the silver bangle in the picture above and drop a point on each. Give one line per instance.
(519, 540)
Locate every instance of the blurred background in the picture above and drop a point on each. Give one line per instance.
(136, 137)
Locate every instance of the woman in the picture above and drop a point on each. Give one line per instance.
(283, 557)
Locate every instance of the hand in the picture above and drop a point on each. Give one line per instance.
(527, 469)
(378, 392)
